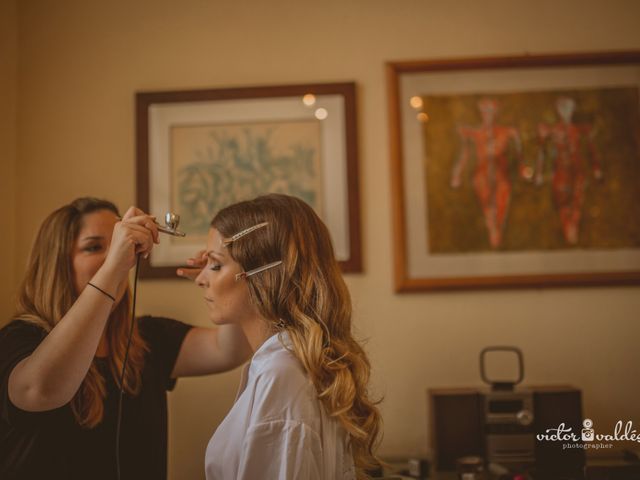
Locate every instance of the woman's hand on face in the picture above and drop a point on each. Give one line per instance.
(134, 234)
(196, 264)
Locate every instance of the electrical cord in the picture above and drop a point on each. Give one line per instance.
(124, 366)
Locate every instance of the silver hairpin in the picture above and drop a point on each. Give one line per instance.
(228, 241)
(257, 270)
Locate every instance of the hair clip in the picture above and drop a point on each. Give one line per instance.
(257, 270)
(242, 233)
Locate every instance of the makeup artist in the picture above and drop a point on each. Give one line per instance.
(61, 356)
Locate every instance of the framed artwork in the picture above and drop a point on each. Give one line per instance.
(516, 171)
(201, 150)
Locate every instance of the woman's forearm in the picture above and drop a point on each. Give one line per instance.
(211, 350)
(52, 374)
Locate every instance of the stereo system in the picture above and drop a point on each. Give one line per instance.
(500, 424)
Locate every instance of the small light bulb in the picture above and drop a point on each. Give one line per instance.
(321, 113)
(416, 102)
(422, 117)
(309, 99)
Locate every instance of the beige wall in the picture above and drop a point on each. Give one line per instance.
(80, 63)
(8, 103)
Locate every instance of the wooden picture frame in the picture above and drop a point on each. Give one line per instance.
(456, 228)
(200, 150)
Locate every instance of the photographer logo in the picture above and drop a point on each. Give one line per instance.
(589, 439)
(588, 433)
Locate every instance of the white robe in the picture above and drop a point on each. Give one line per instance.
(277, 428)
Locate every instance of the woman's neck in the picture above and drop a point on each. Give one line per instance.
(257, 331)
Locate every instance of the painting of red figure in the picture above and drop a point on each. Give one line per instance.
(532, 171)
(573, 156)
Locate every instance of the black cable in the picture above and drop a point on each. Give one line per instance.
(124, 366)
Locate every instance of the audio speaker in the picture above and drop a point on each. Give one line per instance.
(553, 406)
(456, 423)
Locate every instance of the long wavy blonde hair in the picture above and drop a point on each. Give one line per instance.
(308, 298)
(47, 293)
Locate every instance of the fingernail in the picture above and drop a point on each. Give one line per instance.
(146, 255)
(180, 272)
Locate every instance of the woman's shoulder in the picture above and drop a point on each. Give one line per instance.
(18, 339)
(22, 328)
(158, 328)
(283, 366)
(276, 361)
(280, 381)
(152, 321)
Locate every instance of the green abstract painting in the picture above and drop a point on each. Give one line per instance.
(213, 166)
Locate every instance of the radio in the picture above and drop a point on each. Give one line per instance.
(508, 417)
(500, 424)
